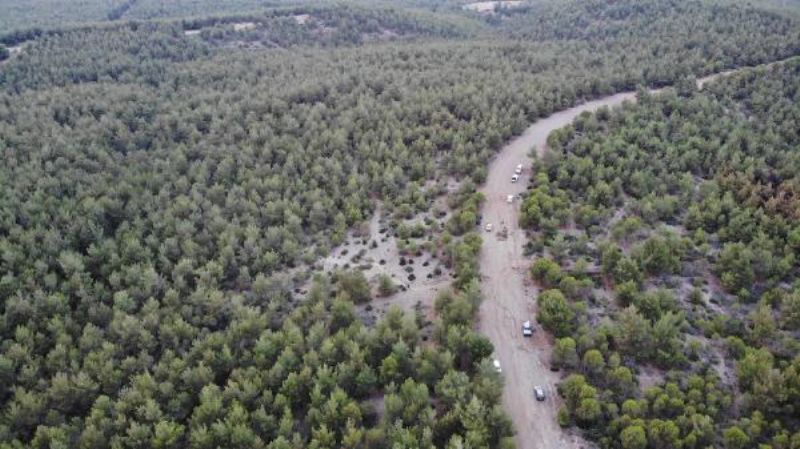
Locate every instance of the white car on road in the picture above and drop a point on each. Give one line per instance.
(488, 227)
(510, 199)
(538, 391)
(514, 178)
(527, 329)
(518, 170)
(496, 364)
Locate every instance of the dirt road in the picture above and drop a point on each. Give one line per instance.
(509, 297)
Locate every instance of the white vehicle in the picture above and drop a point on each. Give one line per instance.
(515, 178)
(488, 227)
(538, 391)
(496, 364)
(518, 170)
(527, 329)
(510, 199)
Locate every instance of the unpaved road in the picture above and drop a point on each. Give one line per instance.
(420, 292)
(509, 297)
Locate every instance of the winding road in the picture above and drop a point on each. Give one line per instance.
(509, 295)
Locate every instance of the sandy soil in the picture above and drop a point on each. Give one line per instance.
(301, 19)
(650, 376)
(13, 52)
(244, 26)
(488, 7)
(510, 298)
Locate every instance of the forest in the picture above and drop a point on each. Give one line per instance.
(55, 14)
(666, 237)
(168, 184)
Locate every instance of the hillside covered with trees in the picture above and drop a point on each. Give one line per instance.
(168, 185)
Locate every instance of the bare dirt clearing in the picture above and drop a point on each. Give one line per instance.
(244, 26)
(13, 52)
(301, 19)
(377, 253)
(650, 377)
(488, 7)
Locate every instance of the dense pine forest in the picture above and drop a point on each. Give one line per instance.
(169, 186)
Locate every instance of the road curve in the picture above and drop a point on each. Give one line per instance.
(509, 296)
